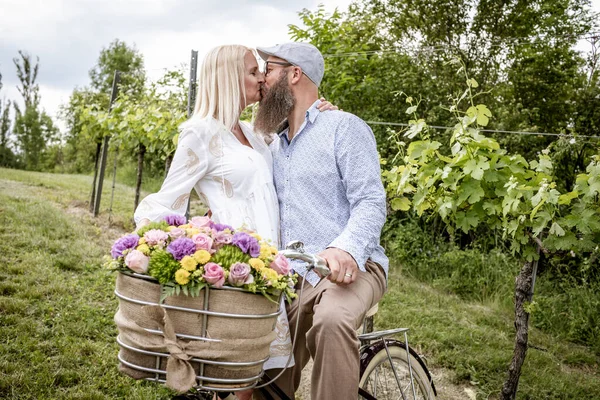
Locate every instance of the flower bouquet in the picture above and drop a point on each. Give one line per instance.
(187, 256)
(197, 302)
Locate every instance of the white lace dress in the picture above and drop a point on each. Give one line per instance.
(234, 181)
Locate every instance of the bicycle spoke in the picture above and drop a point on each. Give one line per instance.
(382, 382)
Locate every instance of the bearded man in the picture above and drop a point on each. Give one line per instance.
(327, 176)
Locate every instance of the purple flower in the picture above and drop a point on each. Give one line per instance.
(239, 274)
(126, 242)
(181, 247)
(220, 227)
(223, 238)
(246, 243)
(175, 219)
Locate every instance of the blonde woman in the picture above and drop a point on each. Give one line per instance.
(228, 165)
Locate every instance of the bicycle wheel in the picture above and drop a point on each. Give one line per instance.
(379, 379)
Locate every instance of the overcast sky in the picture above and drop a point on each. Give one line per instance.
(67, 35)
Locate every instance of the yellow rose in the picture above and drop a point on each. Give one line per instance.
(144, 249)
(274, 250)
(256, 263)
(256, 236)
(201, 256)
(188, 263)
(182, 276)
(185, 226)
(191, 232)
(142, 241)
(270, 275)
(265, 251)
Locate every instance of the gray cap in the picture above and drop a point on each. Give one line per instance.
(303, 55)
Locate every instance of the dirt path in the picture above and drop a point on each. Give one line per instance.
(442, 379)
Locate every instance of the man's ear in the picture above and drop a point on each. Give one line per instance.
(297, 75)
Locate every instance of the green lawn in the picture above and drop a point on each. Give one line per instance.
(57, 335)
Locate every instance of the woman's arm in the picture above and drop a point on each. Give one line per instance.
(190, 164)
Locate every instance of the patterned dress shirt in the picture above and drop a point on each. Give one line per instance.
(329, 188)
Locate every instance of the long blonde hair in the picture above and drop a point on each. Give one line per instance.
(221, 85)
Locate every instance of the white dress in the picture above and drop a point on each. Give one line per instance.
(234, 181)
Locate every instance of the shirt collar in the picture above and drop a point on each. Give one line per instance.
(311, 116)
(313, 112)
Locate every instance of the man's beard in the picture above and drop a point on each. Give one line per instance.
(274, 107)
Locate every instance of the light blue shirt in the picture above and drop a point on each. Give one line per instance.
(328, 182)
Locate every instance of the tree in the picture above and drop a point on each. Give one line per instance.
(118, 56)
(521, 53)
(84, 148)
(479, 184)
(33, 128)
(145, 124)
(7, 157)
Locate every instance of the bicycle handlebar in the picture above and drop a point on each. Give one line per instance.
(295, 250)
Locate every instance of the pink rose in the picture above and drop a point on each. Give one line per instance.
(156, 237)
(202, 241)
(223, 237)
(200, 222)
(239, 274)
(137, 261)
(214, 274)
(176, 233)
(281, 265)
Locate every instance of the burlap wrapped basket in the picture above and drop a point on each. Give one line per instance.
(218, 340)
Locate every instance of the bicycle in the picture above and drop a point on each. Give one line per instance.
(390, 369)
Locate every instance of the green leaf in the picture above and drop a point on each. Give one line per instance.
(535, 209)
(400, 203)
(415, 127)
(475, 168)
(472, 83)
(565, 199)
(481, 113)
(555, 229)
(411, 109)
(467, 220)
(471, 191)
(422, 149)
(445, 208)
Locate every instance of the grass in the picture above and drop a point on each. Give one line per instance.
(57, 335)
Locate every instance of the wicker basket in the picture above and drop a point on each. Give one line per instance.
(222, 336)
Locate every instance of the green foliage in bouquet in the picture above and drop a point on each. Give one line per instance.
(228, 255)
(162, 225)
(162, 266)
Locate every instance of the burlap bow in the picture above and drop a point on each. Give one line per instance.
(180, 373)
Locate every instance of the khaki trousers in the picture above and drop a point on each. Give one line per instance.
(327, 322)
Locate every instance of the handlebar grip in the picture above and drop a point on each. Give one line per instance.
(321, 266)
